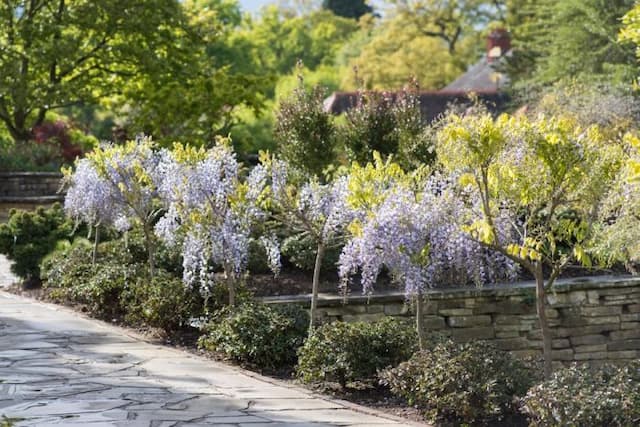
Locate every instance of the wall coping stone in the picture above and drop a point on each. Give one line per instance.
(503, 289)
(31, 200)
(30, 174)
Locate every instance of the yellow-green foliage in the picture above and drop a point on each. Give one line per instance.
(551, 172)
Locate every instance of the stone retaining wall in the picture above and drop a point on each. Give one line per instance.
(28, 190)
(592, 319)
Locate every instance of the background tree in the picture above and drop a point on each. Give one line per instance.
(389, 124)
(55, 53)
(196, 95)
(541, 220)
(353, 9)
(569, 38)
(395, 52)
(304, 132)
(451, 21)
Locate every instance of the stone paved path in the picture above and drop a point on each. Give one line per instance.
(57, 368)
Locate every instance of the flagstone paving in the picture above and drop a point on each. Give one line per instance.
(58, 368)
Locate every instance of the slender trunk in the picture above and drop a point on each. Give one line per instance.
(96, 240)
(422, 339)
(542, 317)
(230, 279)
(148, 238)
(315, 286)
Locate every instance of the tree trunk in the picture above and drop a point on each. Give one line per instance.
(541, 302)
(422, 338)
(96, 240)
(148, 238)
(315, 286)
(231, 284)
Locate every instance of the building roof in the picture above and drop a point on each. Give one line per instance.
(432, 104)
(482, 76)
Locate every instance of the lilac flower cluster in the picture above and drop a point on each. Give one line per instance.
(90, 198)
(417, 237)
(206, 214)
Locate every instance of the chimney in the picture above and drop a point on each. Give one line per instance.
(498, 43)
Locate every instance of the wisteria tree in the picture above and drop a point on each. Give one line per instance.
(210, 212)
(311, 209)
(410, 229)
(535, 188)
(88, 199)
(130, 174)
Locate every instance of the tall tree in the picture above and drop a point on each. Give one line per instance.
(556, 39)
(348, 8)
(449, 20)
(56, 53)
(396, 52)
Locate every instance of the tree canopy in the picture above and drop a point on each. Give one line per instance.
(55, 53)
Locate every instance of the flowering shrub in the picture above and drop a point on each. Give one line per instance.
(579, 395)
(210, 212)
(470, 383)
(346, 352)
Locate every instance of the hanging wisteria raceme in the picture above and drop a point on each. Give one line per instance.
(416, 237)
(210, 211)
(90, 198)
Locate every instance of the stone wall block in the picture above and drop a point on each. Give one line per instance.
(564, 355)
(633, 344)
(468, 321)
(625, 335)
(588, 340)
(396, 309)
(375, 308)
(590, 348)
(623, 354)
(469, 334)
(601, 311)
(515, 344)
(560, 343)
(455, 312)
(598, 355)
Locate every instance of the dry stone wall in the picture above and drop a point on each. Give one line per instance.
(28, 190)
(593, 319)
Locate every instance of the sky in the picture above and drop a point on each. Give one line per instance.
(253, 5)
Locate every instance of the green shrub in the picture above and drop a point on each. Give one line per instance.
(580, 396)
(162, 302)
(346, 352)
(71, 277)
(131, 249)
(472, 383)
(29, 236)
(261, 335)
(301, 252)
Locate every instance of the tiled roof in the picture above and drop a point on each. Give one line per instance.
(481, 76)
(432, 104)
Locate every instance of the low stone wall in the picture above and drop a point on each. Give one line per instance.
(593, 319)
(28, 190)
